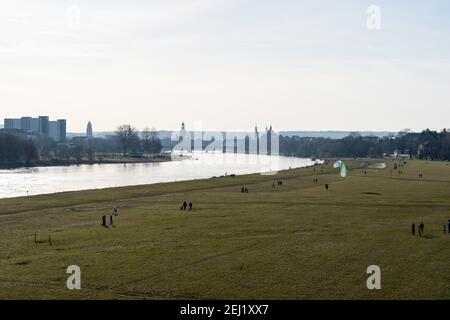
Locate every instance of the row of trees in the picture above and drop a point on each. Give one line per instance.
(425, 145)
(14, 150)
(147, 142)
(126, 142)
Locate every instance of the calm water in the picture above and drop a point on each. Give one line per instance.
(43, 180)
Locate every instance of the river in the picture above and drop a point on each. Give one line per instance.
(45, 180)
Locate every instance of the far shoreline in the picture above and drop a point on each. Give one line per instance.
(63, 163)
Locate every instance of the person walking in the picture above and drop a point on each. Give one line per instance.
(184, 205)
(413, 229)
(190, 206)
(421, 229)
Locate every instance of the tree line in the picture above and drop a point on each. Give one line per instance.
(127, 142)
(427, 144)
(16, 150)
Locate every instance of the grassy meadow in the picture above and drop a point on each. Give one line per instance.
(296, 241)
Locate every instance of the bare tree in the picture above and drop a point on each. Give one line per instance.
(77, 153)
(63, 153)
(127, 135)
(90, 149)
(155, 143)
(151, 142)
(100, 156)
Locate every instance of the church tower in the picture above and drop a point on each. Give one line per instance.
(89, 130)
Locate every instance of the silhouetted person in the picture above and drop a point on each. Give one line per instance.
(445, 229)
(104, 221)
(413, 229)
(246, 190)
(326, 186)
(273, 185)
(190, 206)
(184, 206)
(242, 190)
(111, 220)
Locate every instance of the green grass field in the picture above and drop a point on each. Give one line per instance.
(296, 241)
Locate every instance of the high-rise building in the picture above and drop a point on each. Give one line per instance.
(62, 134)
(13, 124)
(25, 123)
(41, 125)
(57, 130)
(54, 131)
(44, 127)
(89, 130)
(34, 125)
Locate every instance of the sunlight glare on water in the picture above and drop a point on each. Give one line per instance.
(44, 180)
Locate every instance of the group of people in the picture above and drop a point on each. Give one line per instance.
(316, 180)
(420, 175)
(399, 165)
(185, 205)
(280, 183)
(244, 190)
(421, 229)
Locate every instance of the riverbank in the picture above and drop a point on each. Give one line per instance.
(84, 161)
(295, 241)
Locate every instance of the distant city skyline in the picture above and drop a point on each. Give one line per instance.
(41, 125)
(228, 64)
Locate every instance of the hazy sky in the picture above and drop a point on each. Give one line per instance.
(300, 65)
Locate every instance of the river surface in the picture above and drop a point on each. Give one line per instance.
(44, 180)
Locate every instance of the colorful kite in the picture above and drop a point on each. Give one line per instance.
(343, 171)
